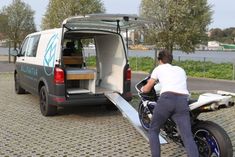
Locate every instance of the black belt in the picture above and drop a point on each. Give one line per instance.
(180, 94)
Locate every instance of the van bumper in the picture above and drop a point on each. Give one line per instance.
(83, 99)
(76, 100)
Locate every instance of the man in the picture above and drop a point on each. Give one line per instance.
(172, 103)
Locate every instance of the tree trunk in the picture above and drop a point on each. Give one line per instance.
(170, 48)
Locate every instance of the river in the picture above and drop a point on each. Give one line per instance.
(213, 56)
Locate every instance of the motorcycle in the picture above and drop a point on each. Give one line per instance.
(211, 139)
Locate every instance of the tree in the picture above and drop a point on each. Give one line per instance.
(20, 21)
(216, 34)
(224, 36)
(3, 26)
(176, 23)
(58, 10)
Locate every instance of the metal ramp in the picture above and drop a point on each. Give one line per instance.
(130, 113)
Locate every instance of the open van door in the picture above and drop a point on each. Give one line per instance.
(112, 71)
(109, 22)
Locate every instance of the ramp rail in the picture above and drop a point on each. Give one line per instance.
(130, 113)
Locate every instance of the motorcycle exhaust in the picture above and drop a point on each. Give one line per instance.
(215, 106)
(230, 104)
(209, 108)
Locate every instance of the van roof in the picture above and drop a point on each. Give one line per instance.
(46, 31)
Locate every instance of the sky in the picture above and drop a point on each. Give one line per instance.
(223, 16)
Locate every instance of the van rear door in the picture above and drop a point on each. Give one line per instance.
(109, 22)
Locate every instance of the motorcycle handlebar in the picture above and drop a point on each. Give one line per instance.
(140, 84)
(146, 96)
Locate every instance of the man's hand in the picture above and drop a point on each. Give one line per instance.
(147, 88)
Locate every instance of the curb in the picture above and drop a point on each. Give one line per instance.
(211, 79)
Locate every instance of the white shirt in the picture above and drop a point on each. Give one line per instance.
(171, 78)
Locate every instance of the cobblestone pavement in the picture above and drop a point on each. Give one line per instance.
(76, 132)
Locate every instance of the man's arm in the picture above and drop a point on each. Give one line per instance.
(147, 88)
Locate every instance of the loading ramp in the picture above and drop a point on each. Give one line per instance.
(130, 113)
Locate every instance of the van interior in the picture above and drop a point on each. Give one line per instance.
(94, 62)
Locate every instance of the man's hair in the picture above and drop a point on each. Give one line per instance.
(165, 56)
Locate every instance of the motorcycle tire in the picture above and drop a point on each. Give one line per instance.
(143, 116)
(212, 140)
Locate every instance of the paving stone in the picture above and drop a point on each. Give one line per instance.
(88, 131)
(79, 132)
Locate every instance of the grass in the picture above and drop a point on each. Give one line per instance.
(192, 68)
(207, 69)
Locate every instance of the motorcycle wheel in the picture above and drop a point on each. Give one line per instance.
(212, 140)
(143, 116)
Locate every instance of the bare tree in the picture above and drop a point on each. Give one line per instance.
(20, 21)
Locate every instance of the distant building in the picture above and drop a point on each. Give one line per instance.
(3, 40)
(214, 45)
(3, 43)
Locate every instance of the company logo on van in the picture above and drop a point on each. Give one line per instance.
(49, 57)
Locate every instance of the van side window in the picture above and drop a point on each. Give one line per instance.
(32, 46)
(24, 47)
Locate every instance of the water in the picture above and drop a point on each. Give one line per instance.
(4, 51)
(213, 56)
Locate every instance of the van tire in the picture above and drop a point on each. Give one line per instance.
(46, 109)
(18, 88)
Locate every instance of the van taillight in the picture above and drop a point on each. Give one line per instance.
(58, 75)
(128, 74)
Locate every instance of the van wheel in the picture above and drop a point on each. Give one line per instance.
(18, 88)
(46, 109)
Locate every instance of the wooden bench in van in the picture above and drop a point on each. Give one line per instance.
(80, 74)
(86, 78)
(73, 60)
